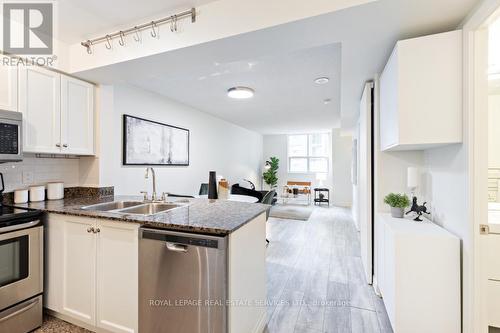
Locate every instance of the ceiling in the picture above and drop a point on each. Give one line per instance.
(284, 89)
(81, 20)
(350, 46)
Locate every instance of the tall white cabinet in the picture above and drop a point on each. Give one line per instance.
(91, 272)
(58, 112)
(421, 93)
(8, 86)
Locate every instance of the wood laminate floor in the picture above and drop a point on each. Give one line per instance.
(315, 279)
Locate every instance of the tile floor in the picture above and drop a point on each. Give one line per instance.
(315, 279)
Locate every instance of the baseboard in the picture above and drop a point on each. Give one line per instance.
(69, 319)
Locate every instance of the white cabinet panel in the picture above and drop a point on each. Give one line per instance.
(117, 277)
(54, 234)
(421, 93)
(39, 101)
(92, 277)
(77, 116)
(8, 86)
(79, 263)
(417, 279)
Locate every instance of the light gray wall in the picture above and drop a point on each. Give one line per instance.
(339, 176)
(232, 151)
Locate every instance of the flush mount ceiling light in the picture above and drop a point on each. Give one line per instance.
(322, 80)
(240, 92)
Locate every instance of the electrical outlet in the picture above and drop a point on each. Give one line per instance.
(28, 177)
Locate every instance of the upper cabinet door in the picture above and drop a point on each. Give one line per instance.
(8, 87)
(77, 116)
(39, 101)
(421, 93)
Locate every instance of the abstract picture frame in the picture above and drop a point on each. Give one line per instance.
(149, 142)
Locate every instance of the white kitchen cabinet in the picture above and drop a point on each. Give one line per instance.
(77, 116)
(418, 275)
(8, 85)
(91, 272)
(421, 93)
(78, 269)
(58, 112)
(39, 101)
(117, 276)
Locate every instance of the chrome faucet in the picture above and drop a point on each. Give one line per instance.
(153, 195)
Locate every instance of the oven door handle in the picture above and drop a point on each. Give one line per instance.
(20, 226)
(18, 312)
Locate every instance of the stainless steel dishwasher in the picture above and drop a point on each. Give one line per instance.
(182, 282)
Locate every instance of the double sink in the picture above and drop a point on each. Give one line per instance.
(134, 207)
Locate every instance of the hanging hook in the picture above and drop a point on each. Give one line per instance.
(121, 41)
(172, 23)
(89, 46)
(153, 30)
(108, 42)
(137, 38)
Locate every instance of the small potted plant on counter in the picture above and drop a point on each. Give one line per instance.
(398, 203)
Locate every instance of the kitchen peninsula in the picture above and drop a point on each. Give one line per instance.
(119, 264)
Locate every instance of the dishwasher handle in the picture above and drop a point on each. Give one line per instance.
(176, 247)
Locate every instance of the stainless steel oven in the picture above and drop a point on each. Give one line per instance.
(21, 275)
(11, 136)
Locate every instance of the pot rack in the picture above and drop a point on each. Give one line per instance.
(153, 25)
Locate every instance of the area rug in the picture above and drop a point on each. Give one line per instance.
(291, 212)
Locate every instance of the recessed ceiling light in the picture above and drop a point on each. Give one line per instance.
(327, 101)
(240, 92)
(322, 80)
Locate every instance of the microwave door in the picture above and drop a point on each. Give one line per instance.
(10, 140)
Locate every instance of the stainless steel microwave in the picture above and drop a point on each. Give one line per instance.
(11, 136)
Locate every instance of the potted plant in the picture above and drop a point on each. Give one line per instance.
(398, 203)
(271, 174)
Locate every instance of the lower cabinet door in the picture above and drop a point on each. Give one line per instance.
(117, 276)
(79, 266)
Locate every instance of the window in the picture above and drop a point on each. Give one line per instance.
(308, 153)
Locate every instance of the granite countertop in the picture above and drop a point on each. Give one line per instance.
(215, 217)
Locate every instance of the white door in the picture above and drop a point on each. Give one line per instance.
(8, 86)
(365, 181)
(485, 171)
(77, 116)
(39, 101)
(79, 269)
(117, 276)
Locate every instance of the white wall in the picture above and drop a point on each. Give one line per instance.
(232, 151)
(339, 176)
(277, 146)
(40, 171)
(341, 169)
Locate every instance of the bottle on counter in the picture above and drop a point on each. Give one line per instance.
(212, 185)
(223, 189)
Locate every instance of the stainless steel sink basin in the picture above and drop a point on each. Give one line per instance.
(150, 208)
(115, 205)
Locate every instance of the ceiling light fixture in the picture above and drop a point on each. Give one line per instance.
(322, 80)
(240, 92)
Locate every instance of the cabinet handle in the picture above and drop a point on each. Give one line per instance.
(65, 145)
(97, 230)
(90, 229)
(58, 145)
